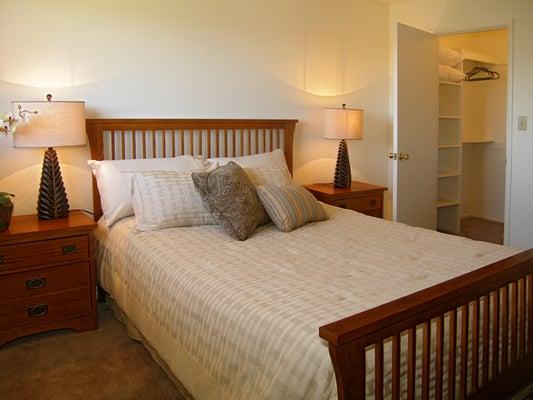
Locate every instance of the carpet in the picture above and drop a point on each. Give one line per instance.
(96, 365)
(482, 229)
(105, 364)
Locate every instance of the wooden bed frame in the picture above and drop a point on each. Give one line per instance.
(496, 301)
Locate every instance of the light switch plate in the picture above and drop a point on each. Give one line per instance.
(522, 123)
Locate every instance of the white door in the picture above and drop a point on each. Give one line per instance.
(415, 108)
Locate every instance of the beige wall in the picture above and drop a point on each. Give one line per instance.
(198, 59)
(457, 15)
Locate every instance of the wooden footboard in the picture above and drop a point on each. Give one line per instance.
(487, 314)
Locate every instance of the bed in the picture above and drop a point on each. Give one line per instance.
(394, 312)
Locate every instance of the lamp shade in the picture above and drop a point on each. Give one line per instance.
(56, 124)
(343, 123)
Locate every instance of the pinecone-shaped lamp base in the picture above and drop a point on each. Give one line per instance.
(53, 202)
(343, 173)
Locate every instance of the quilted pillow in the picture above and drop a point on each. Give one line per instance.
(290, 206)
(165, 199)
(231, 197)
(114, 180)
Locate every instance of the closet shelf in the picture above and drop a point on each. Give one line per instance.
(447, 203)
(449, 146)
(481, 58)
(447, 174)
(449, 116)
(450, 83)
(480, 141)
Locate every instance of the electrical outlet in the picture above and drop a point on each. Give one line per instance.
(522, 123)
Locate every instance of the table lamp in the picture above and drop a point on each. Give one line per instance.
(343, 123)
(55, 124)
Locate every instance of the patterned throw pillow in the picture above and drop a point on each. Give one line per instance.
(231, 197)
(165, 199)
(290, 206)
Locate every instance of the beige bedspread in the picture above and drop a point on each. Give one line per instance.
(239, 320)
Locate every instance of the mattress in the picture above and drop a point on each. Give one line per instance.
(239, 320)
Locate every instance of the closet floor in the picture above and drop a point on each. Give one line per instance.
(482, 229)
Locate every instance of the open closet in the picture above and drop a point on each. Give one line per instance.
(449, 131)
(472, 134)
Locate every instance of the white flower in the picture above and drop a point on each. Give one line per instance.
(25, 117)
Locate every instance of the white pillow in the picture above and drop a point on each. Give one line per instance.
(113, 178)
(165, 199)
(449, 57)
(262, 169)
(449, 74)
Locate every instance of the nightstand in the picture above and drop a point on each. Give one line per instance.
(361, 196)
(47, 276)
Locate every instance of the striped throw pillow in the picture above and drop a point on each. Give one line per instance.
(290, 206)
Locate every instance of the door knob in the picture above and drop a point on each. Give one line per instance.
(399, 156)
(403, 156)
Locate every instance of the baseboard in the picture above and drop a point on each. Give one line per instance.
(482, 216)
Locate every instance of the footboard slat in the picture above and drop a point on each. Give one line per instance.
(522, 317)
(396, 367)
(426, 356)
(530, 314)
(475, 345)
(488, 313)
(495, 332)
(411, 364)
(486, 339)
(452, 360)
(439, 357)
(505, 328)
(514, 322)
(379, 371)
(464, 351)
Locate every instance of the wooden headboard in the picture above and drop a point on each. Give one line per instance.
(120, 139)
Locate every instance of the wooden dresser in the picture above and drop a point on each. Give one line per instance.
(47, 276)
(363, 197)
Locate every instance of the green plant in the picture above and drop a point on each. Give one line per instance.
(5, 197)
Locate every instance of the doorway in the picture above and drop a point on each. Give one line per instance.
(483, 112)
(454, 176)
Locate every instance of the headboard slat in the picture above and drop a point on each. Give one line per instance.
(173, 140)
(123, 144)
(217, 143)
(247, 129)
(134, 144)
(164, 143)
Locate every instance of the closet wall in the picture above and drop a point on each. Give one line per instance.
(484, 127)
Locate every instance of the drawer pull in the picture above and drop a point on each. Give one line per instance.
(70, 249)
(2, 259)
(38, 311)
(372, 202)
(342, 206)
(35, 283)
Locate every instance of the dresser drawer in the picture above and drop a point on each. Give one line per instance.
(375, 213)
(44, 252)
(367, 203)
(44, 281)
(45, 308)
